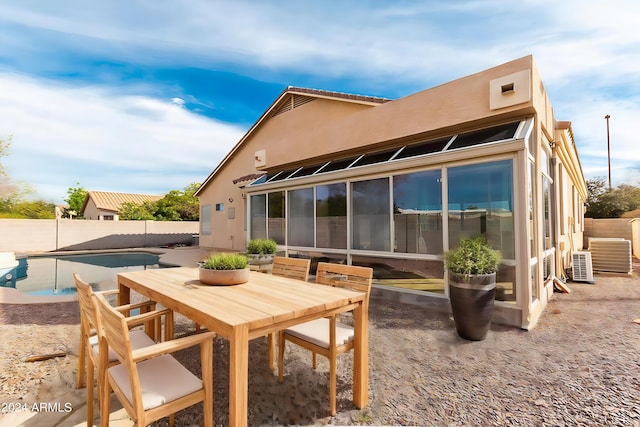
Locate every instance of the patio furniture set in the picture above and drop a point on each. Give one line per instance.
(137, 366)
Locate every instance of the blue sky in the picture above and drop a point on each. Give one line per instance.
(148, 96)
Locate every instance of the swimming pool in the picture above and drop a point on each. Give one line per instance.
(53, 275)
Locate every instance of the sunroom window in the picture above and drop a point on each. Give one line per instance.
(422, 148)
(483, 136)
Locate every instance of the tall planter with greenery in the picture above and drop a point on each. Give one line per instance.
(472, 270)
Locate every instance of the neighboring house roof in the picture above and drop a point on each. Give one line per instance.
(108, 201)
(292, 97)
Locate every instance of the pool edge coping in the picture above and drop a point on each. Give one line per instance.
(183, 256)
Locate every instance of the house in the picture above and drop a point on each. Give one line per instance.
(393, 184)
(104, 205)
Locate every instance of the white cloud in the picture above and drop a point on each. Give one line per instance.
(587, 52)
(415, 40)
(62, 135)
(178, 101)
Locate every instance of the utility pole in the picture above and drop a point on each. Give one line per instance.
(608, 150)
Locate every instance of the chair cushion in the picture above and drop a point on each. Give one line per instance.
(317, 332)
(162, 379)
(139, 339)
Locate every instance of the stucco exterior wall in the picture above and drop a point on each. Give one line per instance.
(91, 210)
(225, 232)
(36, 235)
(325, 129)
(429, 113)
(541, 103)
(635, 232)
(569, 222)
(288, 137)
(231, 233)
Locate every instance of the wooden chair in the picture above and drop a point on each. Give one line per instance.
(327, 336)
(295, 268)
(149, 382)
(88, 354)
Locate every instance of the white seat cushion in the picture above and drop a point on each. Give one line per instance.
(162, 379)
(317, 332)
(139, 339)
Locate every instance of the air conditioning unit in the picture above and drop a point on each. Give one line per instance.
(611, 254)
(582, 268)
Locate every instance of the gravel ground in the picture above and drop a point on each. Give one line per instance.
(580, 366)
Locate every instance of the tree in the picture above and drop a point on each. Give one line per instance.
(7, 187)
(38, 209)
(76, 197)
(12, 194)
(134, 211)
(176, 205)
(180, 205)
(4, 151)
(610, 203)
(630, 195)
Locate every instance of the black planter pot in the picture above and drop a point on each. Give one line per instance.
(472, 304)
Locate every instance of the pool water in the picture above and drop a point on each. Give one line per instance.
(53, 275)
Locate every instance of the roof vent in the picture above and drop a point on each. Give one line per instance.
(291, 102)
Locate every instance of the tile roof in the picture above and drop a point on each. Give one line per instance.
(108, 201)
(247, 178)
(341, 95)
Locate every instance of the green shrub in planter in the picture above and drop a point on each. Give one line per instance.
(472, 256)
(262, 246)
(472, 270)
(225, 261)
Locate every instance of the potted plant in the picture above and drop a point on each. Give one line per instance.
(224, 269)
(261, 251)
(472, 270)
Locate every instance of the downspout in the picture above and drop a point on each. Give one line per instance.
(553, 201)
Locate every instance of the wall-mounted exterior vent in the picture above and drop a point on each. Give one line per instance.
(582, 269)
(510, 90)
(260, 159)
(611, 255)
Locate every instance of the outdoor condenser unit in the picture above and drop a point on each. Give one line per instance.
(609, 254)
(582, 269)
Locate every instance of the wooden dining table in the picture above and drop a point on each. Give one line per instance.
(239, 313)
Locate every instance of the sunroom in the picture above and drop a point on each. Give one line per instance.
(397, 210)
(394, 184)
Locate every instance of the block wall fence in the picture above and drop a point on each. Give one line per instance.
(625, 228)
(44, 235)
